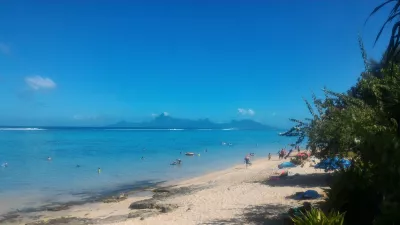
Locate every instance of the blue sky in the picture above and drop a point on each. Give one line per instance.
(97, 62)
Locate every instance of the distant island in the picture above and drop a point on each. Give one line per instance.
(167, 122)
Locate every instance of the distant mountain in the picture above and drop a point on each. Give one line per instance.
(167, 122)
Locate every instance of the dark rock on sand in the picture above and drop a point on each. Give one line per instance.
(63, 221)
(143, 214)
(112, 199)
(144, 204)
(57, 208)
(166, 208)
(166, 193)
(11, 218)
(153, 204)
(161, 190)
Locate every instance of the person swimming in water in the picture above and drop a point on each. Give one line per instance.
(77, 166)
(4, 164)
(142, 158)
(49, 158)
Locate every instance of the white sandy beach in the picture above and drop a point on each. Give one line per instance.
(237, 195)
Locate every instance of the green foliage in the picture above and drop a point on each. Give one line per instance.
(392, 52)
(318, 217)
(367, 126)
(363, 123)
(296, 160)
(352, 191)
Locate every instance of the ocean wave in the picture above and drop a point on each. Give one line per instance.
(21, 129)
(176, 129)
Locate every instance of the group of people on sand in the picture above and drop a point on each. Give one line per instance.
(283, 154)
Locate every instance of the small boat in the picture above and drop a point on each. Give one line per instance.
(189, 153)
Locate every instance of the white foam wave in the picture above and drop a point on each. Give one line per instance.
(139, 129)
(21, 129)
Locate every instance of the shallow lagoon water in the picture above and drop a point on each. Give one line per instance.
(31, 180)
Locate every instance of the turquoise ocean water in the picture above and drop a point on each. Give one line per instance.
(30, 179)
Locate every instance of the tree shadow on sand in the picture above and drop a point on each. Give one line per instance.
(304, 181)
(259, 214)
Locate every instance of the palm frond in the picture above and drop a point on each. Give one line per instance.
(363, 53)
(378, 8)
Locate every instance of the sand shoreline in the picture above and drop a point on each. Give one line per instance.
(212, 198)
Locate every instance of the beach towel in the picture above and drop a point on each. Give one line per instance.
(286, 165)
(333, 164)
(309, 194)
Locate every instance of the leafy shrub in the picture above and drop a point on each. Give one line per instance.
(296, 160)
(353, 191)
(318, 217)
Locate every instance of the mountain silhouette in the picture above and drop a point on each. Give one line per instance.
(164, 121)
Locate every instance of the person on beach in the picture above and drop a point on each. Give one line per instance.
(247, 160)
(281, 154)
(269, 156)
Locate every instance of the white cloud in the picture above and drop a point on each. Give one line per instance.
(245, 112)
(5, 49)
(38, 82)
(164, 114)
(250, 112)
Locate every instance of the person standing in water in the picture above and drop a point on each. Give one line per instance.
(98, 170)
(269, 156)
